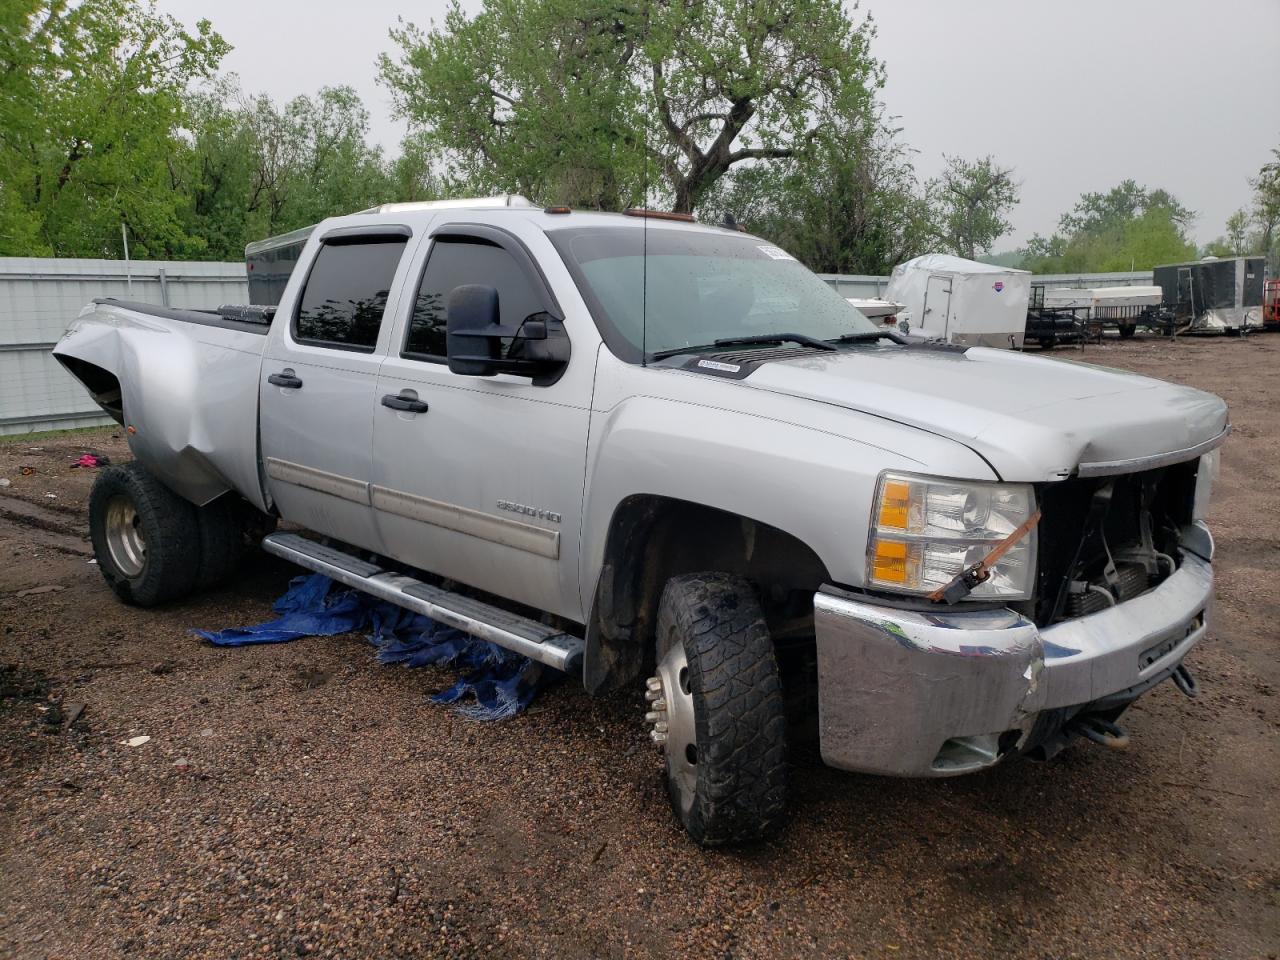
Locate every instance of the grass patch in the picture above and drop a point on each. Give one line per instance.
(59, 434)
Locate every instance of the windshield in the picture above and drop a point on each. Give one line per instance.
(694, 288)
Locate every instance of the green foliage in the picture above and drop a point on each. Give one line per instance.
(970, 203)
(1236, 242)
(92, 96)
(1128, 228)
(1266, 210)
(253, 169)
(600, 105)
(528, 96)
(848, 202)
(1007, 258)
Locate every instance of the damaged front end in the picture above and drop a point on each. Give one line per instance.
(1124, 590)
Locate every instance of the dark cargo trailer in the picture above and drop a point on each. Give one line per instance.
(1214, 294)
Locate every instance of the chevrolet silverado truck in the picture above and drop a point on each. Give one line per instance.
(664, 457)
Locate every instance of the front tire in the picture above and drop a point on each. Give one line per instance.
(718, 710)
(145, 537)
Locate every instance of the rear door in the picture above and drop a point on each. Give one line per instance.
(937, 306)
(318, 380)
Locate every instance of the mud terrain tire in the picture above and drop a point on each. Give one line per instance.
(734, 783)
(146, 538)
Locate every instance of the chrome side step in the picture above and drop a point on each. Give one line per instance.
(511, 631)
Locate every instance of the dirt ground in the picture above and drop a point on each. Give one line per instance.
(301, 799)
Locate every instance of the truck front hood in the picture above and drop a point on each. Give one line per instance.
(1031, 418)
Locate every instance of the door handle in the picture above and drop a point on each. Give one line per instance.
(409, 404)
(286, 379)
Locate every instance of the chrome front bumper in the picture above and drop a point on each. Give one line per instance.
(916, 694)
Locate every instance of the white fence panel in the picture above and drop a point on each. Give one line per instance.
(39, 297)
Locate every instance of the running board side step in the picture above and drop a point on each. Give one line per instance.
(532, 639)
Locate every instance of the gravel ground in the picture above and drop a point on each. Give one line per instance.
(303, 800)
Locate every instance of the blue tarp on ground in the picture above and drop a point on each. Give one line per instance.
(502, 683)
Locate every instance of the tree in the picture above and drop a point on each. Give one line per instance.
(254, 169)
(1096, 213)
(848, 202)
(1266, 208)
(970, 202)
(1238, 233)
(599, 105)
(1130, 227)
(92, 98)
(1236, 242)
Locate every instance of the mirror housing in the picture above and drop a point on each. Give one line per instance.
(474, 335)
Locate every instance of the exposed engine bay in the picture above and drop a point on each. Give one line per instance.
(1106, 540)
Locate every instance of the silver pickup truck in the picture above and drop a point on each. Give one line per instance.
(664, 456)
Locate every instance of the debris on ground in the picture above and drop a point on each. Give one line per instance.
(90, 461)
(135, 741)
(500, 682)
(72, 714)
(35, 591)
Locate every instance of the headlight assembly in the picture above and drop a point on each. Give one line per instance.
(924, 532)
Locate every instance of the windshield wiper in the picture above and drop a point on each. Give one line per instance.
(869, 336)
(801, 338)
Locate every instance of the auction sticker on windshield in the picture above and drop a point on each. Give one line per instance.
(776, 253)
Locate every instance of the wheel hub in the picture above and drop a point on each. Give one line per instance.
(671, 716)
(125, 539)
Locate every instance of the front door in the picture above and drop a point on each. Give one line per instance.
(937, 306)
(319, 374)
(480, 479)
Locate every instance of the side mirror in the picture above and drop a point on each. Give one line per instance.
(470, 312)
(474, 339)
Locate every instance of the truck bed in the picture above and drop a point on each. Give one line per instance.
(246, 318)
(184, 383)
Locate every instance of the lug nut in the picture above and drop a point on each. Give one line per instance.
(652, 695)
(657, 736)
(660, 704)
(661, 726)
(653, 683)
(653, 716)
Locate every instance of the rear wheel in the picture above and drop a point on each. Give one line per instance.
(144, 536)
(717, 709)
(1128, 331)
(230, 528)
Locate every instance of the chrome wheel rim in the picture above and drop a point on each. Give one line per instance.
(674, 729)
(125, 539)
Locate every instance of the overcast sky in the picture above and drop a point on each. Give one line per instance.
(1076, 95)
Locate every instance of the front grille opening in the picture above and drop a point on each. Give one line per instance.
(1105, 540)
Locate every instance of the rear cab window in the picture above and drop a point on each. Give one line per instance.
(346, 291)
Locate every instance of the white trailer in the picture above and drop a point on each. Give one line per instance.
(961, 301)
(1101, 298)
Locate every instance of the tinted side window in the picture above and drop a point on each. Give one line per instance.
(452, 263)
(346, 293)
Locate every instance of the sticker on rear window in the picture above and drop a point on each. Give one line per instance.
(774, 253)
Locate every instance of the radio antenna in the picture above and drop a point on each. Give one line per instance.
(644, 259)
(644, 227)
